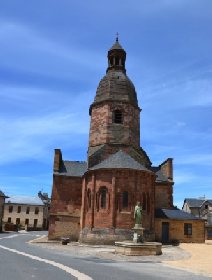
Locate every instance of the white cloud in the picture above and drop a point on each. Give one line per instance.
(32, 137)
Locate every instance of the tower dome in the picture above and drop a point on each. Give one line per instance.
(116, 85)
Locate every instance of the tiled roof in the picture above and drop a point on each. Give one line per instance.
(175, 214)
(196, 202)
(119, 160)
(72, 168)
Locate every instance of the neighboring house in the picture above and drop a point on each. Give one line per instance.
(201, 208)
(26, 212)
(172, 224)
(94, 201)
(2, 201)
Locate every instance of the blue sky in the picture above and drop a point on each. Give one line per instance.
(52, 57)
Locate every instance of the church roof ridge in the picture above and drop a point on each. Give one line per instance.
(120, 160)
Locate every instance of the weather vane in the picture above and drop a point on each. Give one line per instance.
(117, 36)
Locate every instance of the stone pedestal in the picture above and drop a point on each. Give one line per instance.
(138, 236)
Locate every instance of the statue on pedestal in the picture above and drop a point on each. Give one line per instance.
(138, 214)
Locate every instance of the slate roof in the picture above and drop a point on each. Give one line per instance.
(2, 194)
(73, 168)
(196, 202)
(119, 160)
(175, 214)
(116, 46)
(22, 199)
(160, 176)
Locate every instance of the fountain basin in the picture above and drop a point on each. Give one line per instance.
(130, 248)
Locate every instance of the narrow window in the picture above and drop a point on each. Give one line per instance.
(17, 221)
(103, 196)
(144, 201)
(122, 62)
(36, 210)
(187, 229)
(19, 209)
(9, 220)
(35, 223)
(89, 198)
(27, 210)
(10, 209)
(26, 222)
(148, 203)
(117, 116)
(125, 199)
(206, 206)
(117, 60)
(111, 61)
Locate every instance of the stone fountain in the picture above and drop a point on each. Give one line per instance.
(138, 246)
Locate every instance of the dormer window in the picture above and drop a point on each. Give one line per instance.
(118, 117)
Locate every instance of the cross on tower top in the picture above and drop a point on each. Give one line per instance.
(117, 36)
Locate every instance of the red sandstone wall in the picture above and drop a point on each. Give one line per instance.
(137, 183)
(163, 196)
(103, 130)
(65, 207)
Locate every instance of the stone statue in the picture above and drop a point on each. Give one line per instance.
(138, 213)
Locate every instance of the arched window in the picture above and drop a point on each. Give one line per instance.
(117, 117)
(117, 60)
(125, 199)
(89, 198)
(111, 61)
(103, 197)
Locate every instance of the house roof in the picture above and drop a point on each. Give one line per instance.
(72, 168)
(175, 214)
(2, 194)
(22, 199)
(119, 160)
(196, 202)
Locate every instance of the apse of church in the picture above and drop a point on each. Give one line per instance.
(118, 172)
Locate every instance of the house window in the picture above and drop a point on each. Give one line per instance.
(27, 210)
(19, 209)
(206, 206)
(124, 199)
(17, 221)
(26, 222)
(36, 210)
(9, 220)
(10, 209)
(35, 223)
(117, 116)
(103, 197)
(187, 229)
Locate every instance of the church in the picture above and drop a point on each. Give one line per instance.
(93, 202)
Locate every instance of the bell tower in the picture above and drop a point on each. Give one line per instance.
(115, 114)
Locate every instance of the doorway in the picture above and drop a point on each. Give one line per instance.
(165, 232)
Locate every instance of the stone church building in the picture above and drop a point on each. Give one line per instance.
(94, 201)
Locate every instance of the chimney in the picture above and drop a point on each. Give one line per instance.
(167, 168)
